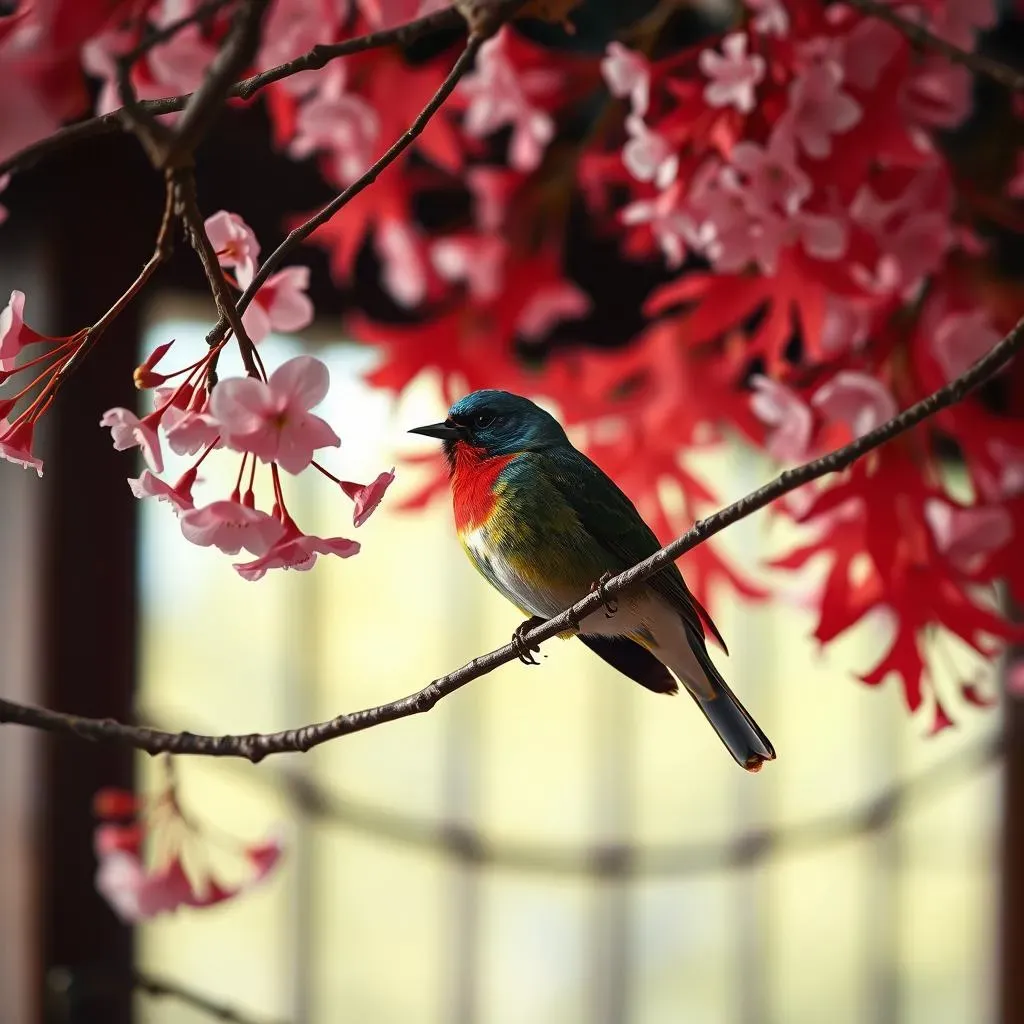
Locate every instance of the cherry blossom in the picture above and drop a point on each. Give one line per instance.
(128, 431)
(788, 417)
(15, 334)
(734, 76)
(295, 550)
(648, 155)
(138, 887)
(499, 96)
(771, 17)
(367, 496)
(280, 305)
(235, 243)
(271, 419)
(16, 445)
(820, 109)
(962, 339)
(178, 496)
(231, 526)
(340, 123)
(860, 401)
(405, 273)
(627, 73)
(967, 535)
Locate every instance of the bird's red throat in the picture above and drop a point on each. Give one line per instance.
(474, 475)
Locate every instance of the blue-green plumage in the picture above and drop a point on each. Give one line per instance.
(543, 524)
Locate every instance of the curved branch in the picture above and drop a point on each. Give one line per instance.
(315, 59)
(256, 746)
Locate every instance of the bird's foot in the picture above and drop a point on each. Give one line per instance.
(519, 643)
(611, 605)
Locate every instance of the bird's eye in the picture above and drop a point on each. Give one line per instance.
(483, 419)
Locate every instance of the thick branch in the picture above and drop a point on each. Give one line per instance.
(237, 53)
(184, 183)
(256, 746)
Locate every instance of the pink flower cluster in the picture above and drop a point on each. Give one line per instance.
(139, 886)
(270, 423)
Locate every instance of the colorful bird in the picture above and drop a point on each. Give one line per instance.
(545, 526)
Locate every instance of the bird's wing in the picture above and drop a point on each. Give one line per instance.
(633, 661)
(612, 520)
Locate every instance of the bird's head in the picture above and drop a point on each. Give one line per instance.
(496, 423)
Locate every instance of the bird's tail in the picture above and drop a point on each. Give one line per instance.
(735, 726)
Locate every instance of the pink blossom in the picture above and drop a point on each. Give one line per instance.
(672, 227)
(492, 189)
(819, 109)
(965, 535)
(235, 243)
(549, 305)
(280, 305)
(647, 155)
(627, 73)
(298, 551)
(774, 180)
(179, 65)
(733, 77)
(846, 325)
(788, 416)
(16, 445)
(404, 274)
(149, 486)
(959, 21)
(860, 401)
(128, 431)
(824, 238)
(272, 419)
(231, 526)
(961, 339)
(15, 334)
(937, 94)
(186, 420)
(291, 28)
(5, 180)
(136, 892)
(477, 259)
(367, 496)
(867, 50)
(339, 123)
(771, 17)
(500, 95)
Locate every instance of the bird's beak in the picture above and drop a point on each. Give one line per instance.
(446, 431)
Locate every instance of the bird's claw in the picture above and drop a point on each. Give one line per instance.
(523, 649)
(611, 605)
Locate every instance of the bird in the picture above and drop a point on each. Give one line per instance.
(545, 526)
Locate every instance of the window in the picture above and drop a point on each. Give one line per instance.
(551, 844)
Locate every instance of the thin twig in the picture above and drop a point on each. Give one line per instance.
(298, 235)
(256, 746)
(318, 57)
(924, 39)
(161, 988)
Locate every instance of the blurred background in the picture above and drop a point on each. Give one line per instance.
(549, 845)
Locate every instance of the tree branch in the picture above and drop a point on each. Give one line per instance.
(315, 59)
(161, 988)
(303, 231)
(256, 746)
(924, 39)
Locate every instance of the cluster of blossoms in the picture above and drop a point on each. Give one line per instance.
(266, 419)
(816, 265)
(152, 858)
